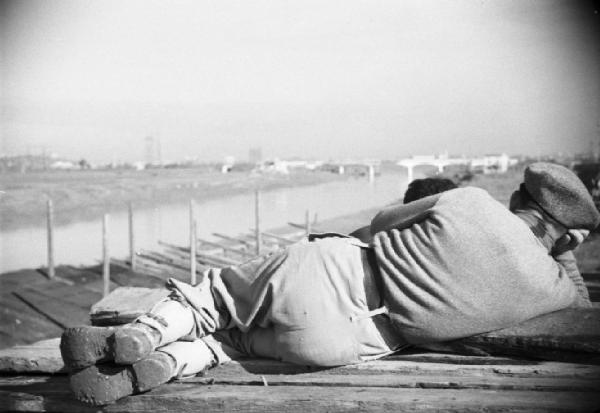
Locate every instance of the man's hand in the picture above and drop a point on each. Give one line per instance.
(569, 241)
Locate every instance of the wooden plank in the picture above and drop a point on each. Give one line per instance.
(204, 258)
(20, 324)
(138, 279)
(76, 275)
(50, 237)
(236, 250)
(398, 380)
(13, 280)
(80, 295)
(591, 276)
(592, 282)
(303, 226)
(161, 270)
(41, 357)
(571, 335)
(166, 265)
(52, 395)
(175, 258)
(114, 268)
(237, 240)
(279, 238)
(63, 313)
(95, 287)
(125, 304)
(432, 365)
(429, 363)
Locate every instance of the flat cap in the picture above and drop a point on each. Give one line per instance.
(562, 195)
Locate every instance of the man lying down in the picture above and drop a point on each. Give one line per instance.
(445, 267)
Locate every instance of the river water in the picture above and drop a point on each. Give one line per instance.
(80, 243)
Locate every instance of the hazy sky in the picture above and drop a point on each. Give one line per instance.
(321, 79)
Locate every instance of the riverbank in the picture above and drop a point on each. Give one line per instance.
(85, 195)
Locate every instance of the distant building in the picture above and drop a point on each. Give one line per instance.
(63, 165)
(139, 165)
(274, 166)
(367, 167)
(228, 164)
(497, 163)
(26, 163)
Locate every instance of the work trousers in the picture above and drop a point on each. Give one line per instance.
(313, 303)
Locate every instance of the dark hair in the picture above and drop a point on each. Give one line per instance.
(420, 188)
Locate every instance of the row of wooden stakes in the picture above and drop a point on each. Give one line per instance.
(188, 262)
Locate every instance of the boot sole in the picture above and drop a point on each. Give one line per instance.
(84, 346)
(105, 384)
(102, 384)
(129, 347)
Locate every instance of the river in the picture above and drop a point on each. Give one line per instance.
(80, 243)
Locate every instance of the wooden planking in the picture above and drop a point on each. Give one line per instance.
(125, 304)
(572, 334)
(137, 279)
(62, 314)
(65, 306)
(51, 394)
(76, 275)
(11, 281)
(41, 357)
(278, 238)
(235, 240)
(413, 381)
(20, 324)
(398, 380)
(429, 363)
(419, 364)
(592, 282)
(80, 295)
(206, 259)
(237, 249)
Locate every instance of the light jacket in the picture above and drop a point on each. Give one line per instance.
(460, 263)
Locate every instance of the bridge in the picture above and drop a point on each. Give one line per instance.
(438, 161)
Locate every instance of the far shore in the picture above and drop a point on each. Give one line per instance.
(85, 195)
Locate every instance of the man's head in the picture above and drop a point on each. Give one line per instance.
(420, 188)
(559, 199)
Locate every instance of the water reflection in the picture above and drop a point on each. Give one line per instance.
(80, 242)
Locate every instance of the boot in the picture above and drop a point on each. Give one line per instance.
(85, 346)
(105, 383)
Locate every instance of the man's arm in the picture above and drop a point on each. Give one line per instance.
(403, 216)
(568, 262)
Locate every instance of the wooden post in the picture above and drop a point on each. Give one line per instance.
(50, 223)
(307, 222)
(105, 257)
(192, 244)
(257, 222)
(131, 239)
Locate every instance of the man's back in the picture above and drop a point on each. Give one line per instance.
(464, 265)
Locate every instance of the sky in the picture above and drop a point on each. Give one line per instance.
(311, 79)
